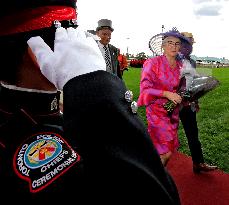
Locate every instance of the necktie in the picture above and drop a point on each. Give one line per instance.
(107, 59)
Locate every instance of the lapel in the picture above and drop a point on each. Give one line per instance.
(113, 54)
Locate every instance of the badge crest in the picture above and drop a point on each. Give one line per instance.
(42, 158)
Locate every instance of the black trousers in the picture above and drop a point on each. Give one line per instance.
(188, 119)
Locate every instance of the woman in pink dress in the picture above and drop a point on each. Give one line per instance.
(160, 79)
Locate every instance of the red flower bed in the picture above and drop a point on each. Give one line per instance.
(137, 63)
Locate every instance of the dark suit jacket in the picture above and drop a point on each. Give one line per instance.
(114, 52)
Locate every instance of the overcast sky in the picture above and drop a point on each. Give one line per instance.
(135, 22)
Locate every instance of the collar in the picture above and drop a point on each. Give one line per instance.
(101, 45)
(36, 102)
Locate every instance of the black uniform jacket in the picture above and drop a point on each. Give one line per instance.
(93, 159)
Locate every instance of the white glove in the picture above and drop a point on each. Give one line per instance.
(74, 54)
(95, 37)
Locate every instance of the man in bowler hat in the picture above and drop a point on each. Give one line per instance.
(188, 118)
(110, 53)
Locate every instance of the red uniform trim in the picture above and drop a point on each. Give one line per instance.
(35, 18)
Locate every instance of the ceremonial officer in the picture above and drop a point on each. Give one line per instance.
(83, 158)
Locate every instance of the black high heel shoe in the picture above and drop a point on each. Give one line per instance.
(204, 167)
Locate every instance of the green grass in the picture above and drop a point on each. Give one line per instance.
(213, 117)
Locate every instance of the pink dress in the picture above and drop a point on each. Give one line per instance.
(157, 76)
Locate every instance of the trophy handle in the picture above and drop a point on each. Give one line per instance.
(155, 45)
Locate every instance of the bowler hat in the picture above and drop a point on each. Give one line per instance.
(104, 23)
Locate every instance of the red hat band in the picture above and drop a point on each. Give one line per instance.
(35, 18)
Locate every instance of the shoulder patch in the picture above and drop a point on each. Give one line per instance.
(42, 158)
